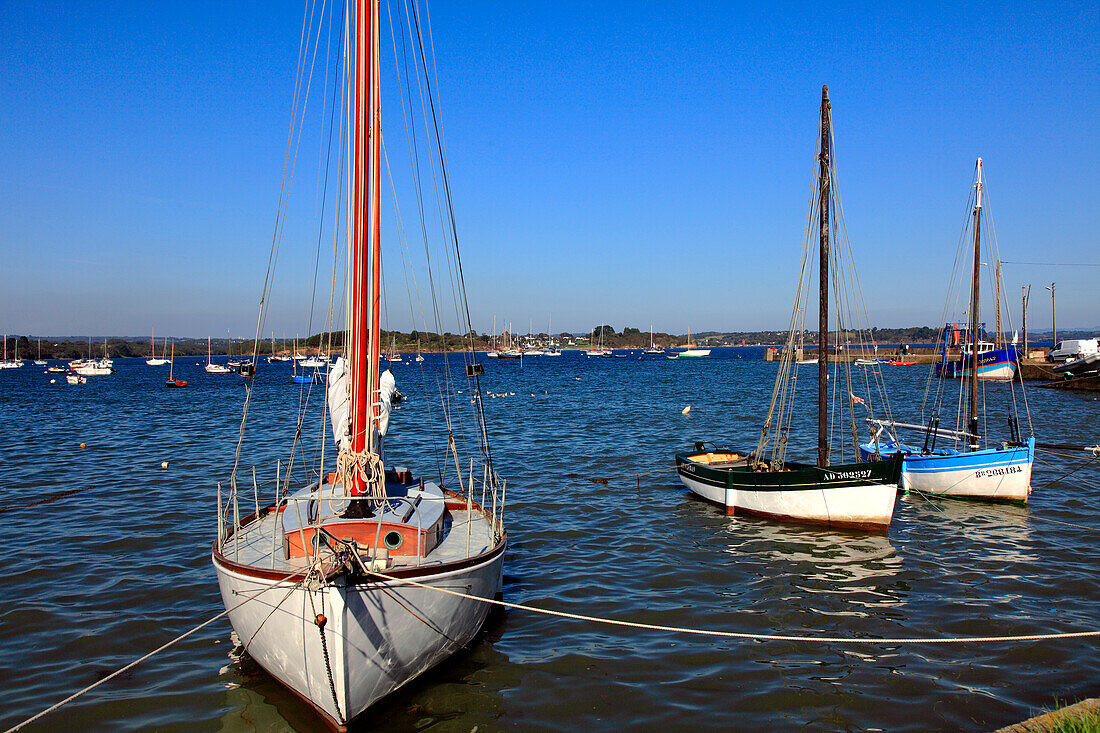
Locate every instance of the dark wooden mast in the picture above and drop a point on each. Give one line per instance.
(823, 293)
(974, 315)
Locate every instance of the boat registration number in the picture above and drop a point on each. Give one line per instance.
(845, 475)
(1002, 471)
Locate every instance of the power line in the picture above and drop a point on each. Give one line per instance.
(1053, 264)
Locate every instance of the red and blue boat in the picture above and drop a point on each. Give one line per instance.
(994, 361)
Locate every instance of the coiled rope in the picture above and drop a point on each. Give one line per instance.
(366, 466)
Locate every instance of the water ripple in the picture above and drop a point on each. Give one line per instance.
(111, 559)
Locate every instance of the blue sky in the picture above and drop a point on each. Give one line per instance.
(624, 163)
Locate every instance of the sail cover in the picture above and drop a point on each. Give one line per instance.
(339, 402)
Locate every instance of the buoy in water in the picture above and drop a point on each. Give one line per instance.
(53, 381)
(686, 410)
(164, 464)
(82, 445)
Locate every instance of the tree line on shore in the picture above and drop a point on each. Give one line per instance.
(414, 341)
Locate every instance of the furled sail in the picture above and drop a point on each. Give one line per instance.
(339, 402)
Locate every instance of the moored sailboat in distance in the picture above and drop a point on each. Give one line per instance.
(691, 349)
(40, 361)
(7, 363)
(172, 381)
(364, 576)
(276, 358)
(94, 367)
(652, 348)
(153, 360)
(211, 367)
(598, 350)
(764, 483)
(962, 466)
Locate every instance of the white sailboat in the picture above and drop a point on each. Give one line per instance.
(552, 348)
(95, 367)
(10, 363)
(40, 361)
(153, 360)
(652, 347)
(275, 358)
(349, 587)
(211, 367)
(315, 361)
(691, 350)
(394, 355)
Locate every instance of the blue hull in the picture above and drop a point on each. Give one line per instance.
(996, 364)
(1002, 474)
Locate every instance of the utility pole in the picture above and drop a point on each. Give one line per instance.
(1026, 294)
(1053, 317)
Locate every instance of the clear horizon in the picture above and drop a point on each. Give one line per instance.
(643, 164)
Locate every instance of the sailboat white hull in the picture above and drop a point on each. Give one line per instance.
(94, 370)
(379, 636)
(156, 362)
(994, 474)
(867, 505)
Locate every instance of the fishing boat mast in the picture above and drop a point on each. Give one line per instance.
(974, 285)
(366, 297)
(823, 284)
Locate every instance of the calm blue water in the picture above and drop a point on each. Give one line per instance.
(111, 559)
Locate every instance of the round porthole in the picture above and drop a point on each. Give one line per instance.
(393, 540)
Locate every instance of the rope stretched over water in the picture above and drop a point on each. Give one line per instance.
(605, 481)
(744, 634)
(592, 619)
(138, 661)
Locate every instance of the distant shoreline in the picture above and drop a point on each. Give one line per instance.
(429, 343)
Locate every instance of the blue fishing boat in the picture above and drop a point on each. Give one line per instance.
(994, 361)
(966, 464)
(964, 470)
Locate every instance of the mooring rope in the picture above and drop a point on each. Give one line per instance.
(744, 634)
(605, 481)
(593, 619)
(138, 661)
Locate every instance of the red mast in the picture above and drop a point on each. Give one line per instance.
(375, 135)
(364, 307)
